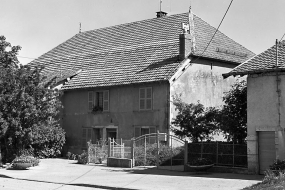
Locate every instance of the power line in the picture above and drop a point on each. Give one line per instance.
(215, 31)
(282, 37)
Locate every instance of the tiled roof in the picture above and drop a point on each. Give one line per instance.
(143, 51)
(264, 62)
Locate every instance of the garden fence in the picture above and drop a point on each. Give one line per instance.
(119, 148)
(221, 153)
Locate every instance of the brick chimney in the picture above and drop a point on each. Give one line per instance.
(184, 46)
(160, 14)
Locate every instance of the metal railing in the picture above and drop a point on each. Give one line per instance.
(221, 153)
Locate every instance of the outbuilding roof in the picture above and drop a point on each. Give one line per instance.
(137, 52)
(263, 62)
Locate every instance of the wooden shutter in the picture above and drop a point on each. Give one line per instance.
(84, 140)
(152, 129)
(106, 100)
(142, 98)
(137, 131)
(148, 98)
(90, 100)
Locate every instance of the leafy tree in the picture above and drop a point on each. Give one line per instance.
(194, 121)
(28, 108)
(233, 115)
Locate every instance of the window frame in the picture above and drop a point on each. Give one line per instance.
(94, 101)
(145, 99)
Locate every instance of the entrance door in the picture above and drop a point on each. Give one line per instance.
(111, 133)
(266, 149)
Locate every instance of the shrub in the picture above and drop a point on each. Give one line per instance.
(25, 159)
(278, 165)
(165, 154)
(83, 158)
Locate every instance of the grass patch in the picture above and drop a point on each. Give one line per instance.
(272, 180)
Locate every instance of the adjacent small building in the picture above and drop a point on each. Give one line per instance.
(119, 81)
(265, 106)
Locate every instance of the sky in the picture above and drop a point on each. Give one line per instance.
(40, 25)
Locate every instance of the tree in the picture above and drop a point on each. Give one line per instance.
(233, 115)
(194, 121)
(28, 108)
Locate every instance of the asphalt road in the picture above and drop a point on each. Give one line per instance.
(64, 174)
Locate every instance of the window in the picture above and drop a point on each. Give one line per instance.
(145, 98)
(86, 136)
(144, 130)
(98, 100)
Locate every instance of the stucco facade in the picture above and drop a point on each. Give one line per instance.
(203, 82)
(123, 115)
(263, 115)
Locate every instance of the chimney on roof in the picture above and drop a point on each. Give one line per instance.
(184, 42)
(160, 14)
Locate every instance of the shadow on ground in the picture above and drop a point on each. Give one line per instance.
(154, 171)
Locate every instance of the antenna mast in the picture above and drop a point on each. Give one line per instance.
(79, 27)
(160, 1)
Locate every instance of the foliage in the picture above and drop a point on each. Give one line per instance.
(194, 120)
(233, 115)
(83, 158)
(270, 181)
(278, 165)
(165, 154)
(201, 162)
(28, 108)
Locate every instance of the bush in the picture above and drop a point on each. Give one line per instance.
(165, 155)
(25, 159)
(83, 158)
(278, 165)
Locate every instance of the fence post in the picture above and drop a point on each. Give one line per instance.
(185, 154)
(202, 149)
(109, 147)
(217, 154)
(233, 154)
(171, 153)
(157, 146)
(133, 151)
(144, 150)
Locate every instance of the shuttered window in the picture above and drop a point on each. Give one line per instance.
(98, 100)
(144, 130)
(145, 98)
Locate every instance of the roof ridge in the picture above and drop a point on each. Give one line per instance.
(130, 23)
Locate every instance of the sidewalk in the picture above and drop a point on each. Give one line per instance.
(66, 174)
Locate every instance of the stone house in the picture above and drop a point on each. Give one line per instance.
(119, 81)
(265, 107)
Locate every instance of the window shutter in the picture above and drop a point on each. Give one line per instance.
(89, 134)
(152, 129)
(148, 98)
(137, 131)
(90, 101)
(106, 100)
(84, 134)
(142, 98)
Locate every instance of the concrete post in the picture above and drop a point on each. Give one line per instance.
(157, 146)
(185, 154)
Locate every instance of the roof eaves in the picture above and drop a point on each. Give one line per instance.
(242, 73)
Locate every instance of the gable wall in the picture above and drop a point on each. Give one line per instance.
(124, 112)
(201, 82)
(262, 115)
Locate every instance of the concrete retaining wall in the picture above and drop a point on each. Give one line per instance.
(119, 162)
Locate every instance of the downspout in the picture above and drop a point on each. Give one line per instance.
(278, 81)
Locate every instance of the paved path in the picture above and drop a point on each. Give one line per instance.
(66, 174)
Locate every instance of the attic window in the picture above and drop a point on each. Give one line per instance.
(231, 52)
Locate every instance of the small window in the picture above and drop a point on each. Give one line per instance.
(144, 130)
(145, 98)
(98, 100)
